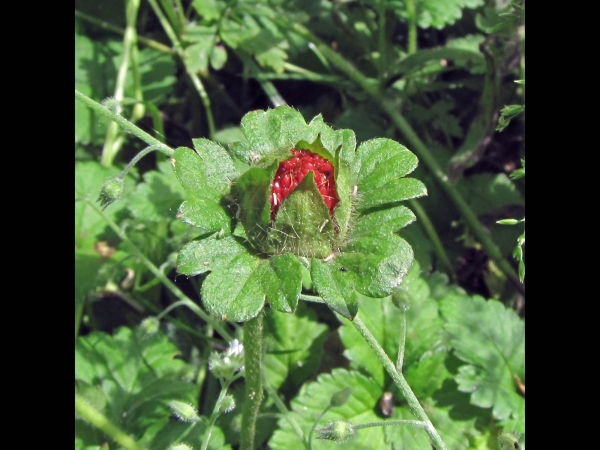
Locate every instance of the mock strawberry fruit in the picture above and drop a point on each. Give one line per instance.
(291, 173)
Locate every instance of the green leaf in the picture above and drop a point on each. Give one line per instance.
(491, 339)
(380, 165)
(91, 68)
(196, 176)
(488, 192)
(376, 263)
(158, 197)
(423, 334)
(433, 13)
(218, 167)
(384, 221)
(337, 291)
(274, 130)
(405, 437)
(236, 292)
(218, 57)
(315, 397)
(282, 281)
(210, 254)
(137, 374)
(294, 345)
(205, 214)
(208, 9)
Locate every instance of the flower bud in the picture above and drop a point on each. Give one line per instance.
(111, 191)
(299, 203)
(185, 412)
(338, 431)
(228, 363)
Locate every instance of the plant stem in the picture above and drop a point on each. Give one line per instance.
(387, 423)
(371, 87)
(194, 77)
(110, 27)
(412, 26)
(272, 393)
(127, 125)
(100, 421)
(253, 356)
(433, 237)
(158, 274)
(213, 417)
(111, 145)
(401, 383)
(402, 343)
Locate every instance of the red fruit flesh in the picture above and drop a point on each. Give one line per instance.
(291, 173)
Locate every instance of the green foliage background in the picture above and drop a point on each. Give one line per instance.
(187, 72)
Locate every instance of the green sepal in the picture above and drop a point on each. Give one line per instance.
(303, 224)
(252, 191)
(210, 254)
(335, 287)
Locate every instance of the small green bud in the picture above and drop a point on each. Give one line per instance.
(228, 404)
(510, 441)
(340, 397)
(508, 221)
(150, 325)
(111, 191)
(228, 363)
(185, 412)
(401, 299)
(338, 431)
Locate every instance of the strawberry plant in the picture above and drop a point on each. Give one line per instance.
(286, 225)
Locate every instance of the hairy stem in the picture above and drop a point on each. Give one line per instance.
(213, 417)
(253, 356)
(100, 421)
(401, 383)
(125, 124)
(112, 144)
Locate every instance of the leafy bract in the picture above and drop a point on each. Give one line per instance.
(490, 338)
(238, 292)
